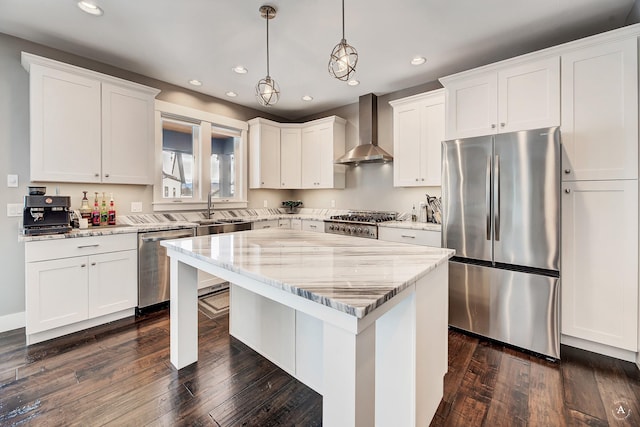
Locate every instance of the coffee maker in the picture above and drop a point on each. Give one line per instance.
(46, 214)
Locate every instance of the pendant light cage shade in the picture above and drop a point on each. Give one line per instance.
(343, 61)
(267, 91)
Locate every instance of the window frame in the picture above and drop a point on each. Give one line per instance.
(202, 156)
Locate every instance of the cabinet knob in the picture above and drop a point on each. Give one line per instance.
(502, 124)
(423, 179)
(283, 184)
(106, 175)
(567, 190)
(262, 183)
(83, 265)
(567, 171)
(93, 263)
(416, 179)
(493, 125)
(96, 175)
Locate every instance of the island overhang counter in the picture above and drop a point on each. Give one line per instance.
(363, 322)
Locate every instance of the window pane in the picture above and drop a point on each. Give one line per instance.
(177, 158)
(223, 165)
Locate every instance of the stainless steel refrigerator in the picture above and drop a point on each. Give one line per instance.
(501, 213)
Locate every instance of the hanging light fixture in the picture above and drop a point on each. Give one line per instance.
(344, 57)
(267, 90)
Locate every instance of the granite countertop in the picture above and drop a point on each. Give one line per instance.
(350, 275)
(164, 221)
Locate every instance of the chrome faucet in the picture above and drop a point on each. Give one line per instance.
(209, 205)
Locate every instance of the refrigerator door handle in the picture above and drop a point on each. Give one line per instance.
(488, 196)
(496, 194)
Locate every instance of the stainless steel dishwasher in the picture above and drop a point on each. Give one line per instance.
(153, 266)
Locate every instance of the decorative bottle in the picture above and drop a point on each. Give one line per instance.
(112, 212)
(104, 212)
(85, 209)
(414, 216)
(95, 214)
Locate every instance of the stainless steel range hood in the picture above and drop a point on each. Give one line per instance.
(367, 151)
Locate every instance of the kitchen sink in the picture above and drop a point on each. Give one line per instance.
(218, 226)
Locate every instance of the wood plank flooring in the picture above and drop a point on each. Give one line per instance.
(119, 374)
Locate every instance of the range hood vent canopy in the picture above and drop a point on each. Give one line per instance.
(367, 151)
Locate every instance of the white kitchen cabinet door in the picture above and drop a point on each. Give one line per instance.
(529, 95)
(296, 224)
(311, 157)
(418, 132)
(113, 282)
(322, 143)
(284, 224)
(600, 262)
(600, 112)
(472, 106)
(65, 126)
(290, 158)
(56, 293)
(313, 225)
(264, 142)
(127, 136)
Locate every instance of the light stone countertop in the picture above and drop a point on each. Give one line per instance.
(350, 275)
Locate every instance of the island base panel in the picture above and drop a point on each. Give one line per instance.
(183, 307)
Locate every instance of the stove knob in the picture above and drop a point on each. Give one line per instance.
(342, 228)
(331, 227)
(366, 232)
(359, 230)
(349, 230)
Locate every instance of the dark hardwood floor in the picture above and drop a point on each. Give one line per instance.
(119, 374)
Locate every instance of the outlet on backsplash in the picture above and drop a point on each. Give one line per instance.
(136, 206)
(265, 204)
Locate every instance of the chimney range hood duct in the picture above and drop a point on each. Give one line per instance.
(367, 151)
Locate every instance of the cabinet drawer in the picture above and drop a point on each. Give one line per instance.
(313, 225)
(65, 248)
(415, 237)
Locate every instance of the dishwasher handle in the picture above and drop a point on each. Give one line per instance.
(165, 237)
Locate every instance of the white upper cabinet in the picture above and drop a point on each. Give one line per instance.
(322, 143)
(295, 156)
(418, 132)
(88, 127)
(290, 155)
(264, 145)
(600, 112)
(510, 98)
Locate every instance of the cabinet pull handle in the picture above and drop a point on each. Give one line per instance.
(567, 171)
(83, 265)
(502, 124)
(106, 175)
(406, 235)
(567, 190)
(266, 226)
(313, 226)
(493, 125)
(93, 263)
(88, 246)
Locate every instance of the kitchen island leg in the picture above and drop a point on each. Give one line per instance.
(184, 314)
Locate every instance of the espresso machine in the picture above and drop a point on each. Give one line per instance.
(46, 214)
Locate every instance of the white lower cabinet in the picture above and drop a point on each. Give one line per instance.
(313, 225)
(415, 237)
(600, 263)
(259, 225)
(296, 224)
(76, 283)
(284, 224)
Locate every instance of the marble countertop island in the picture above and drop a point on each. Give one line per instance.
(361, 321)
(350, 275)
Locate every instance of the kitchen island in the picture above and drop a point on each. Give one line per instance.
(361, 321)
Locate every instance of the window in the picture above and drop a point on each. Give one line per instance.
(200, 153)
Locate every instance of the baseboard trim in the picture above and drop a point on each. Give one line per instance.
(606, 350)
(12, 321)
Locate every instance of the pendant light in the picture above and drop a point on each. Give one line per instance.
(267, 90)
(344, 57)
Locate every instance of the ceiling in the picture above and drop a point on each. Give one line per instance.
(178, 40)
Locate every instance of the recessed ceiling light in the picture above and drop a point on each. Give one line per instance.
(231, 94)
(307, 98)
(418, 60)
(239, 69)
(195, 82)
(90, 8)
(353, 82)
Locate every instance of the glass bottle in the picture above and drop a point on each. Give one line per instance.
(95, 214)
(112, 212)
(414, 216)
(85, 209)
(104, 212)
